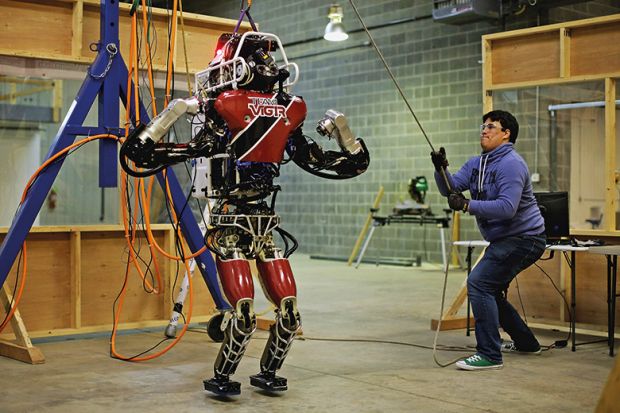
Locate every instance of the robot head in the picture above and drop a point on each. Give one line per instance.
(259, 69)
(246, 61)
(417, 188)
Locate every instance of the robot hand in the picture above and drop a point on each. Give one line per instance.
(351, 161)
(334, 125)
(143, 146)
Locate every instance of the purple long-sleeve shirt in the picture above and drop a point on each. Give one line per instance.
(502, 199)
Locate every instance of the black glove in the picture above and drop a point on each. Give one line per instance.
(458, 202)
(439, 159)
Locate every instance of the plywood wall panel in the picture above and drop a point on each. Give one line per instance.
(525, 58)
(22, 33)
(592, 290)
(104, 261)
(595, 50)
(45, 304)
(539, 298)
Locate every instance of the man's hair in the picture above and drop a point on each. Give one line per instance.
(507, 120)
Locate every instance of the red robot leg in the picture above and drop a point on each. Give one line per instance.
(279, 286)
(238, 324)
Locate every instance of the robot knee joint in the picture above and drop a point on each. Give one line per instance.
(290, 314)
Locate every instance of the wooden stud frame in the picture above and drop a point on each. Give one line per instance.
(571, 52)
(75, 273)
(71, 26)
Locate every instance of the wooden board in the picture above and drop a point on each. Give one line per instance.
(45, 303)
(542, 302)
(539, 298)
(610, 397)
(574, 51)
(103, 270)
(526, 58)
(71, 26)
(75, 273)
(595, 49)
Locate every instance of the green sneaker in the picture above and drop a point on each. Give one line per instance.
(478, 362)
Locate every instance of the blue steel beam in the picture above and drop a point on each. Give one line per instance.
(189, 226)
(113, 85)
(29, 209)
(108, 96)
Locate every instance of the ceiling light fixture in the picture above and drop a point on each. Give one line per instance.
(334, 31)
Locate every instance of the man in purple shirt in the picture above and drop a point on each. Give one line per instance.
(502, 200)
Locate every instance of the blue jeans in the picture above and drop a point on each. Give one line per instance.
(486, 286)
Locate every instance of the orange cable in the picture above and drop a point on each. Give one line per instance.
(148, 58)
(133, 69)
(17, 297)
(169, 346)
(128, 238)
(150, 233)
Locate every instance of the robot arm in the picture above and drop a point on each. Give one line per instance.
(351, 161)
(143, 146)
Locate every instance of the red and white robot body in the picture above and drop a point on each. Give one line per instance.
(244, 120)
(260, 123)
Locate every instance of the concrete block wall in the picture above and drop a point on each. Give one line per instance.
(438, 67)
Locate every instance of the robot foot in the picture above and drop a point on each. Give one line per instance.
(222, 386)
(269, 382)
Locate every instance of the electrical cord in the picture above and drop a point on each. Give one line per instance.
(560, 343)
(57, 157)
(358, 340)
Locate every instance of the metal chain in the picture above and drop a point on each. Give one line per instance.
(112, 51)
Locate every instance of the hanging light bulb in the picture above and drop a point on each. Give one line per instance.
(334, 31)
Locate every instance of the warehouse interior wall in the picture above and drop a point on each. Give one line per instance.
(439, 67)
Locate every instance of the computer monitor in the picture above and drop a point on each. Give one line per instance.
(554, 209)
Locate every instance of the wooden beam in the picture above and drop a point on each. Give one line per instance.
(76, 26)
(70, 26)
(76, 278)
(15, 94)
(24, 81)
(575, 51)
(168, 269)
(362, 234)
(613, 18)
(452, 323)
(610, 155)
(610, 397)
(22, 349)
(57, 105)
(263, 323)
(553, 81)
(487, 73)
(564, 52)
(14, 351)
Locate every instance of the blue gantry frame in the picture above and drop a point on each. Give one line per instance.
(106, 80)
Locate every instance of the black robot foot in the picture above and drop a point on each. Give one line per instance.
(268, 381)
(222, 386)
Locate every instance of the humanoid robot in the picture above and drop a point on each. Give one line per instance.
(248, 120)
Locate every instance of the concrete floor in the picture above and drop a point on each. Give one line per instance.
(382, 303)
